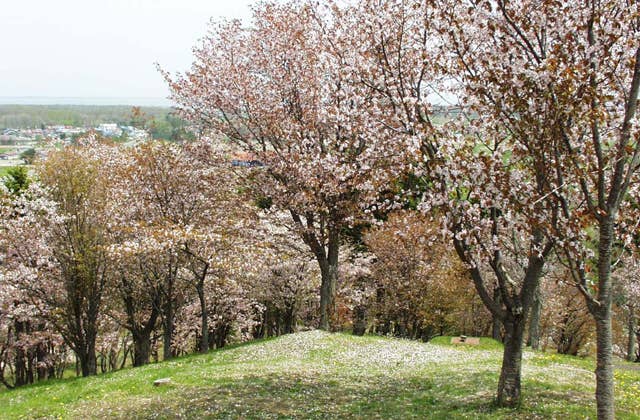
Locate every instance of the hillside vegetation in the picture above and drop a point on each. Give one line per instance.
(320, 375)
(33, 116)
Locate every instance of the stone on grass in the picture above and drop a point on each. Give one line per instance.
(162, 381)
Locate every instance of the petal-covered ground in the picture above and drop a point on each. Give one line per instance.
(319, 375)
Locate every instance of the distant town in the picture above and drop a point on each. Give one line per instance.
(23, 145)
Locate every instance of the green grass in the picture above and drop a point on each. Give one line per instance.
(321, 375)
(4, 170)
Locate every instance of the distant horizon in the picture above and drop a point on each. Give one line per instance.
(154, 101)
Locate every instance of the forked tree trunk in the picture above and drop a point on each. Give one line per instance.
(326, 254)
(510, 375)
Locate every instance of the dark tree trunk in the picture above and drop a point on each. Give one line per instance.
(534, 322)
(326, 251)
(329, 274)
(88, 360)
(289, 318)
(513, 311)
(204, 319)
(167, 334)
(140, 331)
(631, 343)
(359, 320)
(141, 348)
(41, 357)
(601, 311)
(20, 356)
(20, 368)
(496, 324)
(604, 369)
(510, 375)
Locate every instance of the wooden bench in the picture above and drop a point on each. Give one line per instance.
(463, 339)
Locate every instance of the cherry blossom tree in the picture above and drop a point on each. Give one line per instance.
(558, 83)
(77, 244)
(477, 186)
(282, 91)
(184, 223)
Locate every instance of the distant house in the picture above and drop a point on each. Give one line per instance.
(109, 130)
(246, 163)
(246, 160)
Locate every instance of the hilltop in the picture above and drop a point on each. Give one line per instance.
(319, 375)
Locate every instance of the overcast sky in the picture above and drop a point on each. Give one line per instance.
(101, 48)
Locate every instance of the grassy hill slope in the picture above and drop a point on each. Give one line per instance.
(320, 375)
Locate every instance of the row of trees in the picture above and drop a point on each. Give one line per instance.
(121, 256)
(110, 247)
(538, 168)
(165, 256)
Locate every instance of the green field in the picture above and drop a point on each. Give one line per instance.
(4, 170)
(33, 116)
(320, 375)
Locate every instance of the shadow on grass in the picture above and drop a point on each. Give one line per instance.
(305, 396)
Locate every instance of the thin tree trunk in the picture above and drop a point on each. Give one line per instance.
(602, 314)
(604, 369)
(496, 324)
(167, 334)
(204, 319)
(20, 355)
(289, 318)
(631, 343)
(510, 374)
(534, 322)
(329, 274)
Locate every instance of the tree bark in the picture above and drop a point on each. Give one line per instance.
(20, 356)
(329, 274)
(204, 319)
(601, 311)
(604, 368)
(141, 348)
(510, 375)
(140, 331)
(88, 360)
(359, 320)
(631, 343)
(534, 322)
(167, 334)
(496, 324)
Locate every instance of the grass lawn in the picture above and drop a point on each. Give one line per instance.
(320, 375)
(4, 170)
